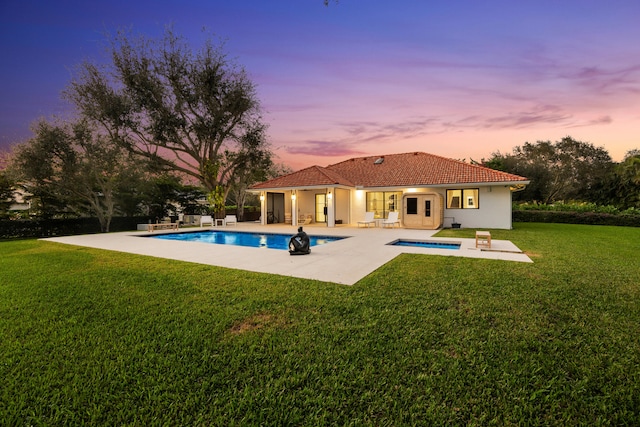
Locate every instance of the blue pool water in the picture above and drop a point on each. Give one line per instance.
(239, 238)
(426, 244)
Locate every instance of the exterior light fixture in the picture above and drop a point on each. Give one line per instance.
(262, 197)
(329, 195)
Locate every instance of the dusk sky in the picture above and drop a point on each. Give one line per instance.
(457, 78)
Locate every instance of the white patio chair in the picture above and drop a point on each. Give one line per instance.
(231, 219)
(206, 219)
(368, 219)
(392, 220)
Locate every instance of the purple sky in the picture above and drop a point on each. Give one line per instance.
(458, 78)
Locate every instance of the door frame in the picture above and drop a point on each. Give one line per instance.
(320, 207)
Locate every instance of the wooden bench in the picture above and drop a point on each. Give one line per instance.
(483, 239)
(163, 226)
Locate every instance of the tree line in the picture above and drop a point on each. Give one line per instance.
(156, 114)
(571, 170)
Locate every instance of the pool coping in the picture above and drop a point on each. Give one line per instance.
(344, 261)
(249, 232)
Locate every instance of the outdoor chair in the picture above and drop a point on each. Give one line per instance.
(392, 220)
(231, 219)
(368, 219)
(206, 219)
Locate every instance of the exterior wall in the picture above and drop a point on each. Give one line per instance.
(494, 207)
(494, 210)
(350, 205)
(306, 202)
(342, 205)
(358, 206)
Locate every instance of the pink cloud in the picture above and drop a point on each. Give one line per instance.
(603, 120)
(324, 149)
(626, 79)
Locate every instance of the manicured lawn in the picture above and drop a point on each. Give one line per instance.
(96, 337)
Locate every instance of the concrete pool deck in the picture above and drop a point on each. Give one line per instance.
(343, 261)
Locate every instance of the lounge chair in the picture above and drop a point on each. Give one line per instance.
(308, 220)
(206, 219)
(287, 218)
(368, 219)
(392, 220)
(231, 219)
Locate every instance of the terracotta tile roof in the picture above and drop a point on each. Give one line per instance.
(308, 177)
(393, 170)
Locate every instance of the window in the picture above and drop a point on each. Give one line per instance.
(383, 202)
(427, 208)
(467, 198)
(412, 206)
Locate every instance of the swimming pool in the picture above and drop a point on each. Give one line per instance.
(242, 238)
(426, 244)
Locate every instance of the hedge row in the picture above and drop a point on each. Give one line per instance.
(590, 218)
(38, 228)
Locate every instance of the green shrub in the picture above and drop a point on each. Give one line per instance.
(571, 206)
(567, 217)
(37, 228)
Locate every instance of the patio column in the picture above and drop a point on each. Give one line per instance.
(331, 214)
(294, 207)
(263, 208)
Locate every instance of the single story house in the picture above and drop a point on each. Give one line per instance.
(426, 190)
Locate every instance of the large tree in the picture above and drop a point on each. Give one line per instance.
(627, 179)
(6, 194)
(192, 112)
(561, 170)
(74, 165)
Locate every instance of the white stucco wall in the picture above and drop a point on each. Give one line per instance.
(494, 202)
(358, 205)
(306, 204)
(494, 211)
(342, 205)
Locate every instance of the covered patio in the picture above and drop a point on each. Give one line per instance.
(328, 206)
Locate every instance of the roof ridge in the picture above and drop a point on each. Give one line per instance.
(352, 159)
(420, 153)
(331, 174)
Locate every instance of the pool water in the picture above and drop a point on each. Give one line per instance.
(240, 238)
(426, 244)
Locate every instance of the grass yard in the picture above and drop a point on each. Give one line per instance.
(90, 337)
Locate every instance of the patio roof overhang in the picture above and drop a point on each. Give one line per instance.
(298, 188)
(513, 185)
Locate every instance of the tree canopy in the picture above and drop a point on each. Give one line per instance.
(71, 165)
(193, 112)
(626, 185)
(561, 170)
(6, 193)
